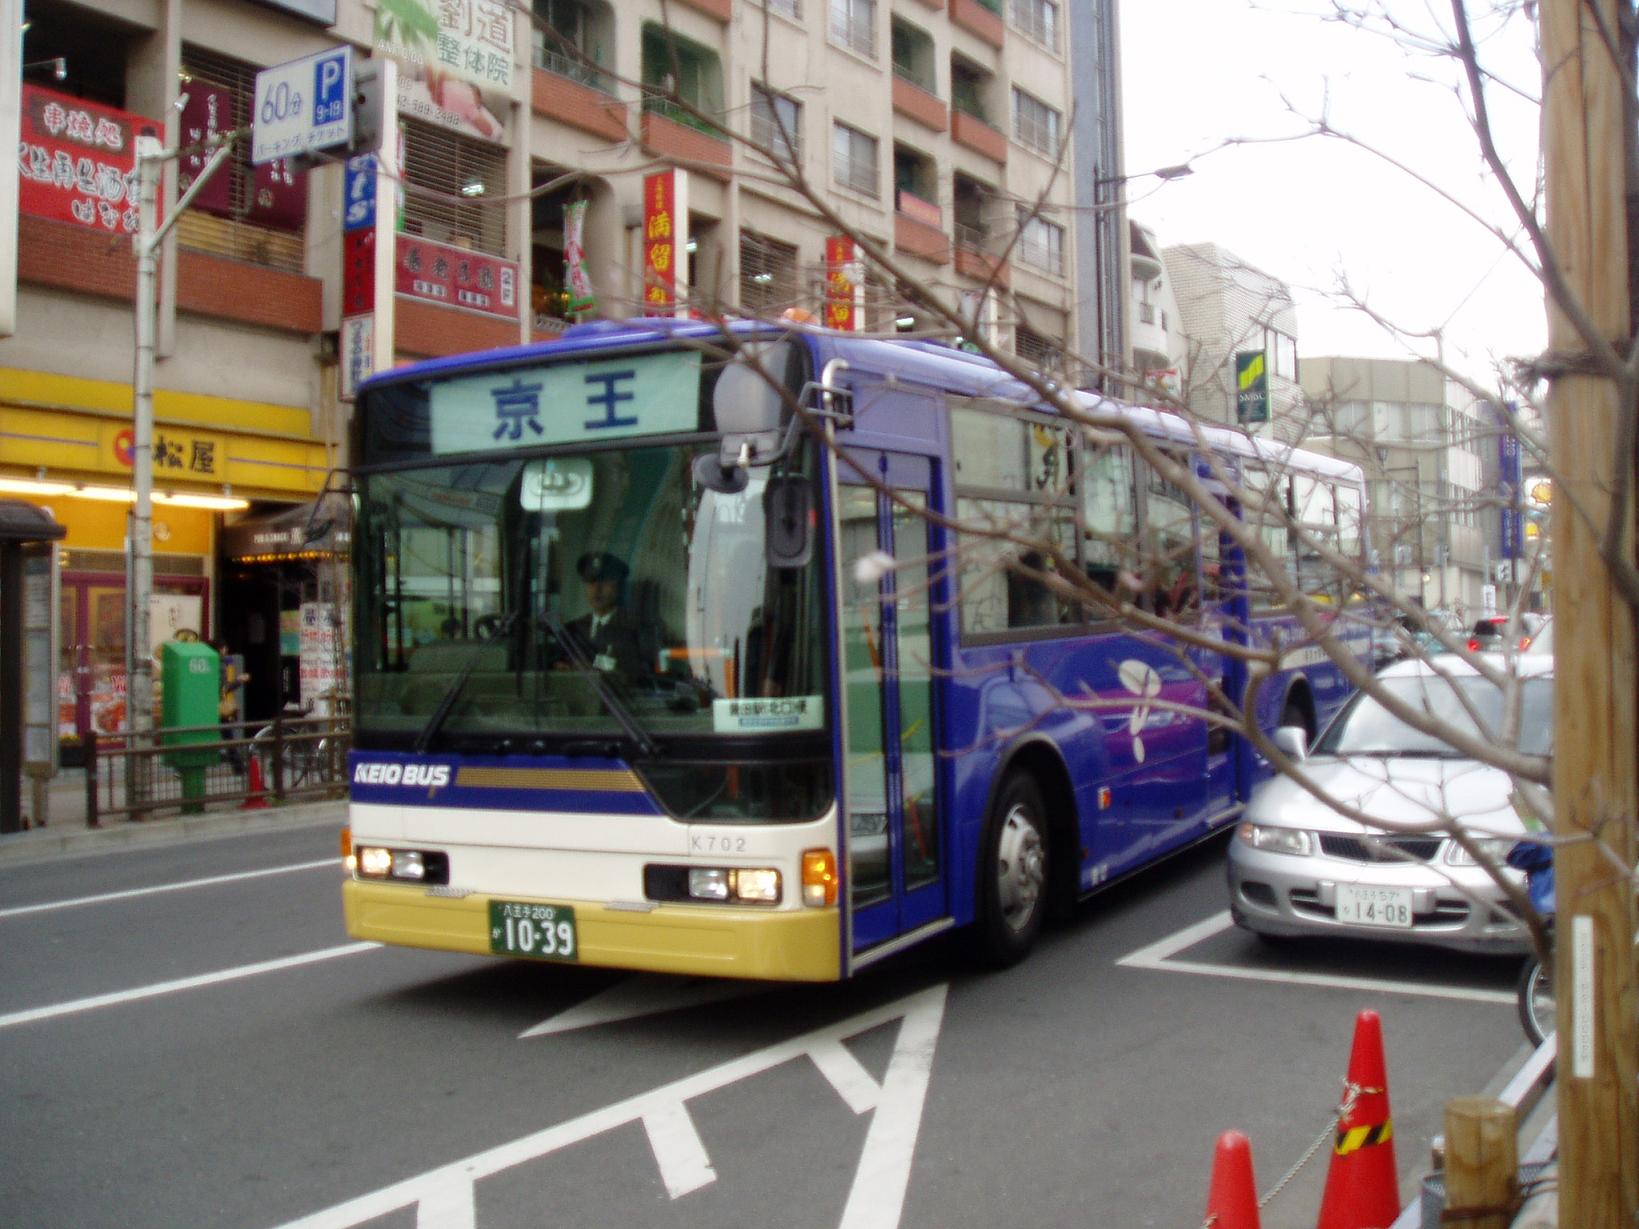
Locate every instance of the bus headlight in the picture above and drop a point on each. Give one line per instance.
(749, 885)
(409, 865)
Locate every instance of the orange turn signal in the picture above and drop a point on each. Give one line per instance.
(819, 877)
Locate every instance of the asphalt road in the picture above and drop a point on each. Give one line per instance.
(192, 1040)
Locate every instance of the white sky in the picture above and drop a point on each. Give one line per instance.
(1199, 72)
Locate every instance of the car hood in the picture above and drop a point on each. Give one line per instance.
(1394, 791)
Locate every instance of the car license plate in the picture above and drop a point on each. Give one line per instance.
(1366, 906)
(540, 932)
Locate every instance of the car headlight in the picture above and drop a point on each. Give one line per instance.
(1496, 848)
(1274, 840)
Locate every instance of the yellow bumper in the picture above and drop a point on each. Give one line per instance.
(696, 940)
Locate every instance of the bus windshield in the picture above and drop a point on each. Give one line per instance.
(588, 602)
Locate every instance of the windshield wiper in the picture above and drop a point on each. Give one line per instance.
(617, 707)
(446, 702)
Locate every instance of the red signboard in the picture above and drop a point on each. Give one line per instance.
(208, 112)
(358, 271)
(76, 160)
(840, 290)
(457, 277)
(278, 197)
(660, 243)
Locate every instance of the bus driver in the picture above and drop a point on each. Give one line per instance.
(613, 638)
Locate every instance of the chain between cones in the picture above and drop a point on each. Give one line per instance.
(1352, 1093)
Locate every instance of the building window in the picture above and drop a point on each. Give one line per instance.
(769, 278)
(251, 213)
(853, 156)
(968, 86)
(460, 173)
(786, 8)
(776, 123)
(913, 54)
(1035, 123)
(1042, 353)
(673, 67)
(1041, 244)
(1037, 20)
(566, 42)
(1282, 351)
(853, 25)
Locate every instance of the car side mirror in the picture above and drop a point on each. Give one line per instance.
(788, 513)
(1293, 741)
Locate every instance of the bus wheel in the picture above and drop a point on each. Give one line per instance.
(1013, 875)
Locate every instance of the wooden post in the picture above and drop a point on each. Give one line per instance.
(1482, 1162)
(1596, 784)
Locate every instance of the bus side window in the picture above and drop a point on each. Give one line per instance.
(1109, 515)
(1169, 568)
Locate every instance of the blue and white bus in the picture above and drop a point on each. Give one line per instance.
(654, 672)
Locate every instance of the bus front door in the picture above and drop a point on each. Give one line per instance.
(894, 853)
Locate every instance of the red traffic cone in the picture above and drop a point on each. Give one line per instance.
(254, 784)
(1232, 1201)
(1362, 1185)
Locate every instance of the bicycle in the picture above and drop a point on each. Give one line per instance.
(1534, 992)
(1534, 996)
(308, 761)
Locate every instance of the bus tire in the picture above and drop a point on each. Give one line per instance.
(1013, 874)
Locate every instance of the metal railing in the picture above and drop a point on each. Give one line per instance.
(144, 776)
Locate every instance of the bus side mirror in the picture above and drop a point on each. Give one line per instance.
(788, 513)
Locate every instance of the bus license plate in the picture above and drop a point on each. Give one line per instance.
(540, 932)
(1374, 906)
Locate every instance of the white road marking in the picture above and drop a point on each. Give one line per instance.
(847, 1074)
(876, 1200)
(106, 897)
(1158, 955)
(642, 996)
(678, 1149)
(182, 983)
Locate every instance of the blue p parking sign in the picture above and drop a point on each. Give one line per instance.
(330, 88)
(303, 106)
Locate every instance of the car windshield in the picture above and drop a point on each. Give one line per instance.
(1467, 703)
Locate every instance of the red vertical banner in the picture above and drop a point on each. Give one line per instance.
(841, 285)
(665, 239)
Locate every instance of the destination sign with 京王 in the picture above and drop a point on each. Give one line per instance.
(566, 403)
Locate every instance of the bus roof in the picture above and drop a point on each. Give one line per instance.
(936, 364)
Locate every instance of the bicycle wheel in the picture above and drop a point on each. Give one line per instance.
(1535, 995)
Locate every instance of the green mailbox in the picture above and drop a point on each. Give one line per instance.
(191, 681)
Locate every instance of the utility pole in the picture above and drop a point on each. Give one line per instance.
(151, 157)
(1596, 778)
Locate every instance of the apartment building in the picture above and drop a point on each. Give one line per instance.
(1229, 307)
(1159, 348)
(934, 129)
(1428, 449)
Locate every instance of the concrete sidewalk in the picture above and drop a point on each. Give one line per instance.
(65, 833)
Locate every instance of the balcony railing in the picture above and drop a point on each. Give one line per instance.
(656, 105)
(917, 208)
(576, 70)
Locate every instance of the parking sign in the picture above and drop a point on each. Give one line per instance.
(303, 106)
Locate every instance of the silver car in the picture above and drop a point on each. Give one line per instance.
(1298, 867)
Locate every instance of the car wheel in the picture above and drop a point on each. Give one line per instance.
(1013, 873)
